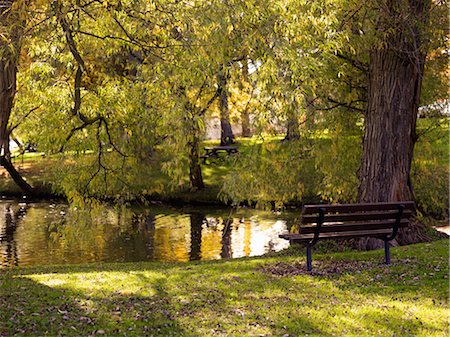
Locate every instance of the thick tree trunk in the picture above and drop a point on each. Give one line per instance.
(226, 133)
(389, 128)
(8, 72)
(9, 54)
(395, 78)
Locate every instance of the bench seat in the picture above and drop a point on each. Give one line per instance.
(345, 221)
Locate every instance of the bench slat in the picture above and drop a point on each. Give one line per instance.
(379, 220)
(333, 235)
(358, 226)
(357, 216)
(345, 208)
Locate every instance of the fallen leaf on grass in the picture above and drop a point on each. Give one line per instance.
(319, 268)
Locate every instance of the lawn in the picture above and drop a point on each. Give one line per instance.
(349, 294)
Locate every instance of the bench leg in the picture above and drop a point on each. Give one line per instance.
(308, 258)
(387, 252)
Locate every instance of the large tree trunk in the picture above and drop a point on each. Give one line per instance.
(8, 72)
(226, 133)
(9, 54)
(395, 78)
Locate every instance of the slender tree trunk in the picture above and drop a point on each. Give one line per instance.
(195, 169)
(9, 55)
(245, 121)
(193, 143)
(245, 116)
(395, 78)
(293, 125)
(226, 133)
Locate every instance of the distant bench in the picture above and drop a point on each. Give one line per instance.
(378, 220)
(214, 151)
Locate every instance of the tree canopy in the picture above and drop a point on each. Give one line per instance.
(109, 88)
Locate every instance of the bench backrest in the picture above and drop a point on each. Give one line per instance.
(356, 217)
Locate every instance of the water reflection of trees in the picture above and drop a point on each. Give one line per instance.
(8, 244)
(51, 233)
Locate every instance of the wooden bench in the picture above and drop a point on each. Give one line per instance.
(214, 151)
(378, 220)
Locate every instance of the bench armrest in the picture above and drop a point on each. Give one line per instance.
(397, 223)
(320, 219)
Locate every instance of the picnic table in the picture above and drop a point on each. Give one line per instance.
(214, 151)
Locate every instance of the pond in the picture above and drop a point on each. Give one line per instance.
(45, 232)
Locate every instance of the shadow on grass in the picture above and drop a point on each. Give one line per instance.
(198, 308)
(31, 308)
(233, 298)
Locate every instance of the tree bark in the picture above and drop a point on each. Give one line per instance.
(10, 46)
(226, 133)
(395, 79)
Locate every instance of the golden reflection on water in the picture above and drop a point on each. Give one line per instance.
(51, 233)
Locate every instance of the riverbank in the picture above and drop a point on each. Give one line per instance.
(350, 293)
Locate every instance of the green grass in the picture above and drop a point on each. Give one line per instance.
(246, 297)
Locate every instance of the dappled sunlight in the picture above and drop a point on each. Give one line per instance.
(103, 284)
(236, 297)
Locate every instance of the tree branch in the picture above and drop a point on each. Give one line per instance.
(11, 129)
(211, 101)
(341, 104)
(355, 63)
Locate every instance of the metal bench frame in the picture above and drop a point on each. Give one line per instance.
(379, 220)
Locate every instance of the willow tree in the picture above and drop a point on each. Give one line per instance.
(394, 88)
(395, 81)
(208, 40)
(92, 66)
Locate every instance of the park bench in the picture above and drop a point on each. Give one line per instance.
(214, 151)
(379, 220)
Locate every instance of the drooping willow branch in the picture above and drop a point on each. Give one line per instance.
(100, 166)
(81, 69)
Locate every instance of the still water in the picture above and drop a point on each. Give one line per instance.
(42, 233)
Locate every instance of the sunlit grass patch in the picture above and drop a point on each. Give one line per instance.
(132, 283)
(235, 297)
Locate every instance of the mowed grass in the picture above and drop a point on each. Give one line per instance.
(350, 294)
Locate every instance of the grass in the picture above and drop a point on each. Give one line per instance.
(351, 294)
